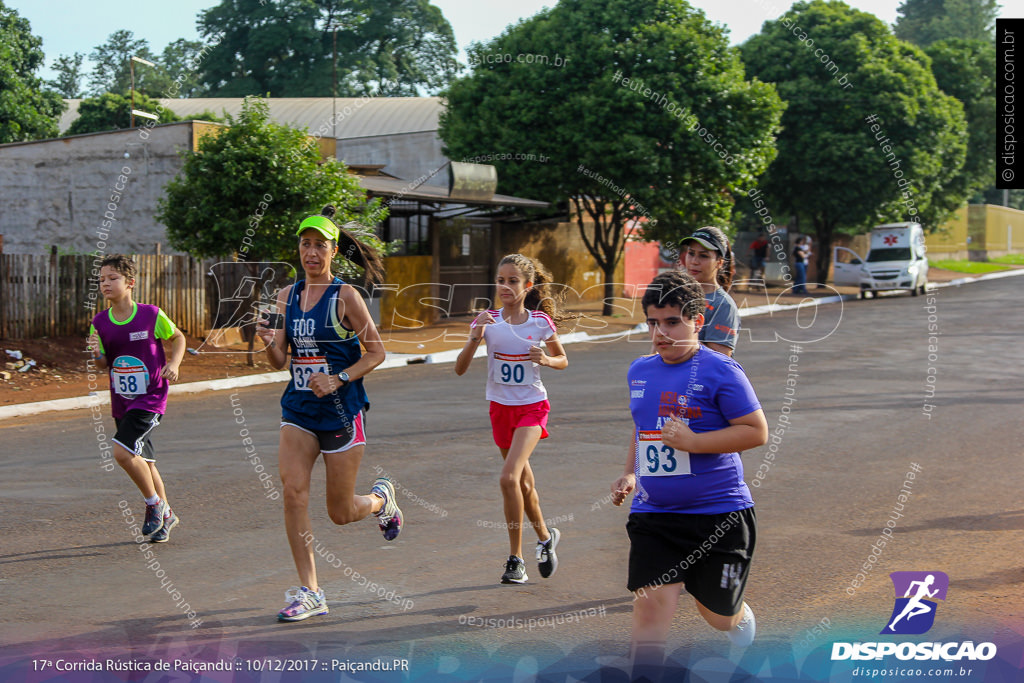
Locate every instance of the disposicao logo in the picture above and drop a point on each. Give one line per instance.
(912, 614)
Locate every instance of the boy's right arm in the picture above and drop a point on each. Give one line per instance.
(94, 345)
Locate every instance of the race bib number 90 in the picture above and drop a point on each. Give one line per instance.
(514, 369)
(303, 369)
(659, 460)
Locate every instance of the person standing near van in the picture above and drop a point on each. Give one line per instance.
(801, 254)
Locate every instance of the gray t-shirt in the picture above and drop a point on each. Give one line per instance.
(721, 320)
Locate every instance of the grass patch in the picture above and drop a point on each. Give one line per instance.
(1010, 259)
(972, 267)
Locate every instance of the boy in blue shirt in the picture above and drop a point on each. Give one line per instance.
(692, 521)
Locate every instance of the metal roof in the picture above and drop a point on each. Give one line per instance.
(403, 189)
(353, 117)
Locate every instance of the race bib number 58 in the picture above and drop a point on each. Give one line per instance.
(129, 376)
(659, 460)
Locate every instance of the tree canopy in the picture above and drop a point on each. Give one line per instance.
(285, 49)
(966, 70)
(650, 116)
(924, 22)
(69, 75)
(28, 111)
(890, 147)
(111, 72)
(958, 36)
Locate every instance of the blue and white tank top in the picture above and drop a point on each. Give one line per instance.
(320, 343)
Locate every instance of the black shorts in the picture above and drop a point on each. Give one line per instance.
(710, 554)
(133, 430)
(339, 441)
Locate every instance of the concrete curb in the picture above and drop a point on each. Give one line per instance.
(402, 360)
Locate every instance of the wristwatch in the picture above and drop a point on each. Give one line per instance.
(343, 376)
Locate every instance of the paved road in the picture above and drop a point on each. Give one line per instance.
(75, 586)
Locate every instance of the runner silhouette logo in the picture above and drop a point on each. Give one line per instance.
(914, 611)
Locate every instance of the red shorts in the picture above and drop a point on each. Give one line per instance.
(505, 420)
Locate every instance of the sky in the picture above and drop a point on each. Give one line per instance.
(69, 26)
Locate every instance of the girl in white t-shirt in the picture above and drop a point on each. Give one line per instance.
(519, 407)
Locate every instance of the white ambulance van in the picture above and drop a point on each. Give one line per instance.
(896, 260)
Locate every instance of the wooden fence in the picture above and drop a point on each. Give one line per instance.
(52, 296)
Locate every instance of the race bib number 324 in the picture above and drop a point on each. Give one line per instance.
(303, 369)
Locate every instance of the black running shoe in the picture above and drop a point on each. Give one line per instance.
(547, 560)
(515, 571)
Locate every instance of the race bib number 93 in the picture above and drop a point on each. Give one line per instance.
(657, 459)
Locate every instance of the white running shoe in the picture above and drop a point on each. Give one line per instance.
(742, 634)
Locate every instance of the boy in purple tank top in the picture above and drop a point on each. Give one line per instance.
(126, 339)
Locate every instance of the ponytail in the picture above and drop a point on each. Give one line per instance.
(362, 255)
(728, 270)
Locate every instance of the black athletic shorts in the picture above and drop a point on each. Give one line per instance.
(346, 438)
(133, 430)
(710, 554)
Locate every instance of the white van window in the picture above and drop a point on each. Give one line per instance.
(889, 254)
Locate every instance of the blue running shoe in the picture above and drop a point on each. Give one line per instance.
(303, 604)
(154, 518)
(169, 523)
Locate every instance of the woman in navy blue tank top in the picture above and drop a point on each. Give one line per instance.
(325, 320)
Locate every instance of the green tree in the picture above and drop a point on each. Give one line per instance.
(924, 22)
(837, 168)
(181, 60)
(111, 71)
(649, 116)
(27, 110)
(111, 111)
(285, 48)
(966, 70)
(958, 36)
(69, 75)
(210, 206)
(993, 195)
(246, 190)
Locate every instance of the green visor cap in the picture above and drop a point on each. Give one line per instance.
(322, 224)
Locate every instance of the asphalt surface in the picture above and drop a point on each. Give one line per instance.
(76, 587)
